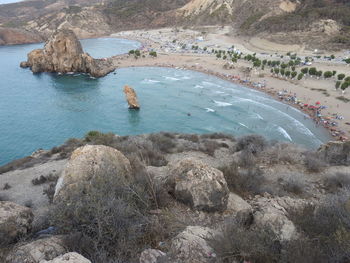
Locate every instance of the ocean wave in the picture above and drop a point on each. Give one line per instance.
(150, 81)
(172, 78)
(210, 84)
(198, 87)
(209, 110)
(219, 92)
(243, 125)
(284, 133)
(222, 104)
(302, 128)
(259, 116)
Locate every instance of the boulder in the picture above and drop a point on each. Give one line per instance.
(71, 257)
(199, 185)
(15, 221)
(131, 98)
(36, 251)
(336, 153)
(63, 53)
(191, 245)
(239, 208)
(273, 214)
(151, 256)
(89, 162)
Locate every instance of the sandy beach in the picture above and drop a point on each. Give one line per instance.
(335, 113)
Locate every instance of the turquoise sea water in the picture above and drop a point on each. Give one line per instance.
(44, 110)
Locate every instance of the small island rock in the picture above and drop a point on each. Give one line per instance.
(131, 97)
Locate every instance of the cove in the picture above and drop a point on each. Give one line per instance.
(44, 110)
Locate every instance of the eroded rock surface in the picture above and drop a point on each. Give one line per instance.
(89, 162)
(15, 221)
(15, 36)
(192, 245)
(336, 152)
(71, 257)
(131, 98)
(199, 185)
(36, 251)
(151, 256)
(63, 53)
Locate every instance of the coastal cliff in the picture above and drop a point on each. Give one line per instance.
(63, 53)
(185, 197)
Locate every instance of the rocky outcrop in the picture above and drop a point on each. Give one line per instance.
(71, 257)
(152, 256)
(131, 98)
(89, 162)
(14, 36)
(199, 185)
(192, 245)
(273, 214)
(36, 251)
(337, 153)
(63, 53)
(15, 221)
(239, 208)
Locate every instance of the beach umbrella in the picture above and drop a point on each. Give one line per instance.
(306, 105)
(318, 103)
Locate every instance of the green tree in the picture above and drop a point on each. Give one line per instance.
(347, 79)
(334, 72)
(257, 63)
(282, 71)
(312, 71)
(153, 54)
(328, 74)
(277, 71)
(332, 57)
(300, 76)
(294, 74)
(287, 73)
(341, 76)
(344, 86)
(305, 70)
(319, 73)
(337, 84)
(131, 52)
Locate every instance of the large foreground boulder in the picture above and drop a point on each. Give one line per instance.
(36, 251)
(71, 257)
(15, 221)
(336, 153)
(193, 245)
(63, 53)
(199, 185)
(90, 162)
(131, 98)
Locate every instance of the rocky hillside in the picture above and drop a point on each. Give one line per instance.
(286, 21)
(182, 198)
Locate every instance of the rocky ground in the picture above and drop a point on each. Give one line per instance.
(176, 198)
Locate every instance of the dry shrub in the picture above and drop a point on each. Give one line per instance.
(313, 163)
(218, 136)
(337, 181)
(110, 216)
(283, 153)
(209, 147)
(6, 186)
(243, 182)
(45, 179)
(162, 141)
(294, 184)
(190, 137)
(254, 144)
(243, 244)
(327, 227)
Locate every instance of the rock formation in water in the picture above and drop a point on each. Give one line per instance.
(131, 98)
(63, 53)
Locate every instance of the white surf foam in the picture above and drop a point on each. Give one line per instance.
(198, 87)
(150, 81)
(172, 78)
(222, 104)
(284, 133)
(210, 84)
(210, 110)
(243, 125)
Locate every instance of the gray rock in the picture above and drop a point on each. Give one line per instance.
(71, 257)
(89, 162)
(151, 256)
(36, 251)
(15, 221)
(191, 245)
(239, 208)
(199, 185)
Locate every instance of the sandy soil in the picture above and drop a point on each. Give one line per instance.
(308, 90)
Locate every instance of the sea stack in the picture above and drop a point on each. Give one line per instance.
(131, 98)
(63, 53)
